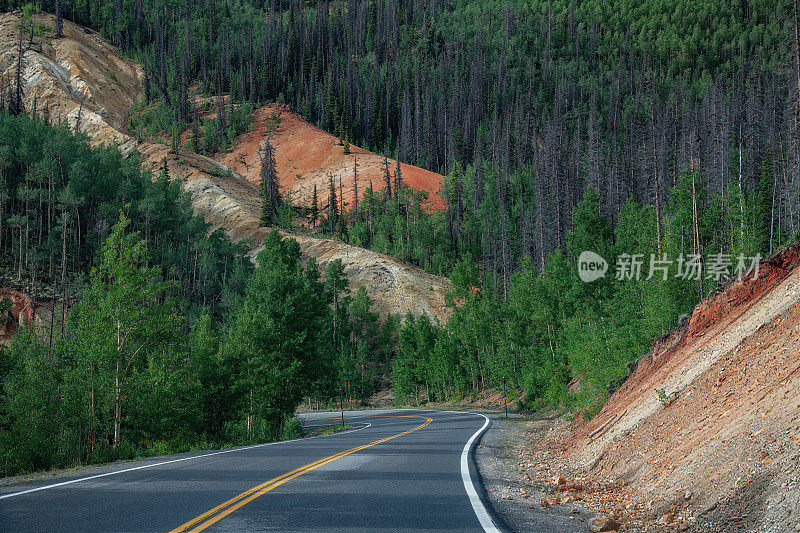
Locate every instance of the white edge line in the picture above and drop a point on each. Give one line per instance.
(106, 474)
(477, 504)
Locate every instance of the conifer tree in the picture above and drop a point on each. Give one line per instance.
(355, 184)
(333, 205)
(314, 207)
(270, 197)
(398, 182)
(387, 177)
(15, 105)
(59, 20)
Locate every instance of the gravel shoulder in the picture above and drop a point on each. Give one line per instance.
(518, 498)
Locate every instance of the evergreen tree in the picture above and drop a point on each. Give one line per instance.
(333, 205)
(270, 197)
(314, 207)
(387, 177)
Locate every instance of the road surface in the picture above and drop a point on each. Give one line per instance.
(395, 470)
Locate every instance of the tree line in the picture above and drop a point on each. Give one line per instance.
(562, 341)
(544, 329)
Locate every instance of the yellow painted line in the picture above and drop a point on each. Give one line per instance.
(224, 509)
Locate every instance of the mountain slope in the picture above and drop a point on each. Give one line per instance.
(227, 200)
(81, 79)
(308, 156)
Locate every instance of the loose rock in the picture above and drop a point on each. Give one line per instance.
(549, 501)
(598, 524)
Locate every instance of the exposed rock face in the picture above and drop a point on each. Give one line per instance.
(20, 312)
(81, 75)
(24, 310)
(705, 431)
(79, 79)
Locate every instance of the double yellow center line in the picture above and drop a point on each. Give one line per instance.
(224, 509)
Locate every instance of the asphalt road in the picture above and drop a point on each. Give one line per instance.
(396, 470)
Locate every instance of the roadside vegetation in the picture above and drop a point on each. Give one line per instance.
(561, 342)
(162, 336)
(328, 430)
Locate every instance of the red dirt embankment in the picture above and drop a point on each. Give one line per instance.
(715, 314)
(20, 314)
(308, 156)
(705, 433)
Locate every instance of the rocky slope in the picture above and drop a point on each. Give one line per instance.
(81, 79)
(705, 433)
(227, 200)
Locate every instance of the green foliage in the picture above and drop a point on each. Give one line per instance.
(662, 396)
(399, 226)
(31, 413)
(292, 429)
(58, 199)
(275, 341)
(122, 383)
(216, 139)
(118, 380)
(124, 328)
(558, 340)
(329, 430)
(155, 122)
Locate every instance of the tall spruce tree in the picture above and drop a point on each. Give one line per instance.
(270, 196)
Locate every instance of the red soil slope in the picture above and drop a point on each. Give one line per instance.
(722, 453)
(308, 156)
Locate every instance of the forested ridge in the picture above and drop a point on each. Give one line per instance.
(622, 96)
(649, 128)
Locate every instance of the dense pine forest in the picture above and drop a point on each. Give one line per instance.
(629, 128)
(623, 97)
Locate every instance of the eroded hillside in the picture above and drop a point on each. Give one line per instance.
(81, 79)
(308, 156)
(705, 432)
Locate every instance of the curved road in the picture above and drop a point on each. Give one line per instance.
(396, 470)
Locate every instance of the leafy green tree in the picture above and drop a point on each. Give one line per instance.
(122, 322)
(338, 294)
(276, 338)
(217, 402)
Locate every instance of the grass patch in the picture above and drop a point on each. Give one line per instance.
(328, 430)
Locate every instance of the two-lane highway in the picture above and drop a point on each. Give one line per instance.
(396, 470)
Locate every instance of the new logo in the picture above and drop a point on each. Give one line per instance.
(591, 266)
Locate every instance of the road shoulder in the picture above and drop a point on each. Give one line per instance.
(519, 500)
